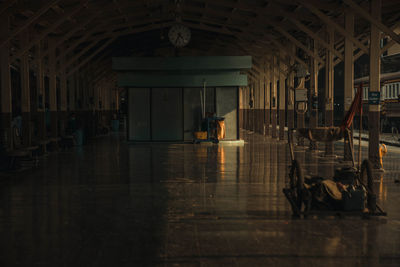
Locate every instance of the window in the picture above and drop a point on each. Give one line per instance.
(390, 91)
(393, 92)
(386, 91)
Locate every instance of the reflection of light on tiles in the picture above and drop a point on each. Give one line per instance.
(221, 160)
(332, 245)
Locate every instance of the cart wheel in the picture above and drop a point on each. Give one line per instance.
(296, 184)
(367, 179)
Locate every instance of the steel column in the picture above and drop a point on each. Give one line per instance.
(374, 86)
(348, 78)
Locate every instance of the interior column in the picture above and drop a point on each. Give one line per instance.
(329, 72)
(6, 108)
(62, 114)
(260, 107)
(290, 97)
(25, 96)
(71, 93)
(348, 79)
(282, 99)
(41, 98)
(274, 100)
(267, 96)
(53, 92)
(374, 86)
(313, 106)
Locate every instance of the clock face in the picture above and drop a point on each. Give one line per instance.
(179, 35)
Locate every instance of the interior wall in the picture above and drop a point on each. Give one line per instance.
(226, 104)
(139, 114)
(191, 111)
(166, 114)
(173, 114)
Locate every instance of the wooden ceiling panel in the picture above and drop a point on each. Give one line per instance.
(253, 21)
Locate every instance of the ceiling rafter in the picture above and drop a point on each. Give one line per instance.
(372, 20)
(42, 35)
(330, 22)
(101, 48)
(254, 21)
(310, 33)
(82, 25)
(255, 26)
(109, 32)
(29, 21)
(6, 5)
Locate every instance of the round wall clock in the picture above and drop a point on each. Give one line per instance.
(179, 35)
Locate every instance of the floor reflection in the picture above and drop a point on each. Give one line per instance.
(111, 203)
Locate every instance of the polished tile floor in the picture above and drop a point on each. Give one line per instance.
(111, 203)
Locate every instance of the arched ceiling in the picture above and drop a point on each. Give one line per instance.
(95, 30)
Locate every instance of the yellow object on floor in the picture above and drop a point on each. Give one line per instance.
(200, 135)
(220, 130)
(382, 153)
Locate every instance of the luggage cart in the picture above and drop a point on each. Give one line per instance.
(303, 192)
(210, 126)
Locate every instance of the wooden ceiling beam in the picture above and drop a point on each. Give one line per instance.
(108, 30)
(100, 49)
(29, 21)
(74, 30)
(313, 54)
(309, 32)
(55, 25)
(283, 32)
(113, 37)
(327, 20)
(6, 5)
(361, 11)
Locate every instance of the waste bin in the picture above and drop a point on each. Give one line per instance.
(79, 137)
(115, 125)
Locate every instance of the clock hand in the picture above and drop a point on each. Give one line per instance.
(179, 37)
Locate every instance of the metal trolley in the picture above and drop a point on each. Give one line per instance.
(299, 193)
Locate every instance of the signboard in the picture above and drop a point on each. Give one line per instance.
(301, 95)
(374, 98)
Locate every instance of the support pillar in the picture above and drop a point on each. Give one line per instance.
(267, 95)
(313, 106)
(260, 110)
(329, 79)
(85, 108)
(274, 67)
(6, 108)
(72, 94)
(256, 104)
(41, 98)
(245, 106)
(240, 91)
(92, 108)
(53, 91)
(25, 97)
(374, 86)
(108, 104)
(117, 99)
(62, 114)
(96, 97)
(290, 97)
(282, 100)
(348, 79)
(252, 99)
